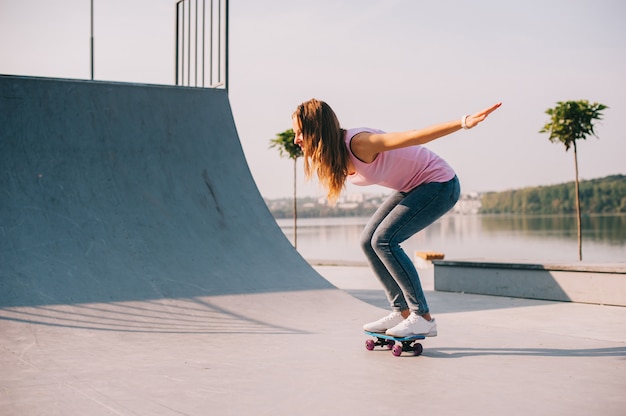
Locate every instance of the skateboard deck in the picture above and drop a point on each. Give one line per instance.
(397, 345)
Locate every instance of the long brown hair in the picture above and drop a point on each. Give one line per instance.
(323, 145)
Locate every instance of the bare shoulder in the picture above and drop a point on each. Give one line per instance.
(361, 146)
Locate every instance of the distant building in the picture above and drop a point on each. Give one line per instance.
(355, 204)
(356, 198)
(468, 204)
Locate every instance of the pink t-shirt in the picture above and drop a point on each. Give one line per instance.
(400, 169)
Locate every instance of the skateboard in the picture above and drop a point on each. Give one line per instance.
(396, 344)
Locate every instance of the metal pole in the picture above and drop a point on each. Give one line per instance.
(196, 46)
(219, 41)
(92, 44)
(211, 47)
(182, 46)
(203, 38)
(188, 43)
(176, 43)
(226, 52)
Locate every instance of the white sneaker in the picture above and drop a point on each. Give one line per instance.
(383, 324)
(414, 325)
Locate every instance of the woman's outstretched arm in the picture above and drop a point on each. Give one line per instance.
(367, 145)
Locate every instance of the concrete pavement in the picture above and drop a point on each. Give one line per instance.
(303, 353)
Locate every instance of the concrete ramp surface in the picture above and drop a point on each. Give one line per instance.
(142, 274)
(114, 192)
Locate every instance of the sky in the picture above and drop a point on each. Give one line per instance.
(388, 64)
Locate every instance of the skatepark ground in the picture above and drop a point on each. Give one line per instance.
(142, 274)
(245, 354)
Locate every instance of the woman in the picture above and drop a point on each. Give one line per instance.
(425, 186)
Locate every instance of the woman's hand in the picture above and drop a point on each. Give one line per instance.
(474, 119)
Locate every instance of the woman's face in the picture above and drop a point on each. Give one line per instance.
(297, 130)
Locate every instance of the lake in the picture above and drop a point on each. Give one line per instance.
(459, 237)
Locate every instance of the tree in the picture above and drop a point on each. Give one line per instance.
(571, 121)
(287, 148)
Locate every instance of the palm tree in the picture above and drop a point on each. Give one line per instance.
(287, 148)
(571, 121)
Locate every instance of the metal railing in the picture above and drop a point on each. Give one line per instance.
(202, 43)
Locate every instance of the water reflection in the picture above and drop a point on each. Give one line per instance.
(506, 238)
(610, 229)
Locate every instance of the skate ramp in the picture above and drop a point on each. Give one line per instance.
(120, 192)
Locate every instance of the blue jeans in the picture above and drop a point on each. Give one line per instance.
(401, 216)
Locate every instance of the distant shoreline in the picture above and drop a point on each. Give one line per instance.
(603, 196)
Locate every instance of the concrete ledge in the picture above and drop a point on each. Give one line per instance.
(585, 283)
